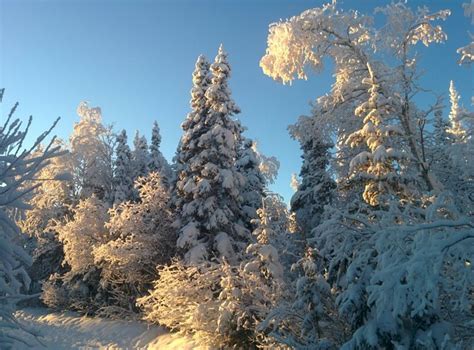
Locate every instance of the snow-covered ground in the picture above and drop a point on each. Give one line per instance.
(69, 330)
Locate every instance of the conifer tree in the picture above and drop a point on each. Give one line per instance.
(383, 167)
(317, 187)
(140, 156)
(208, 185)
(440, 129)
(123, 170)
(248, 164)
(456, 130)
(201, 81)
(158, 162)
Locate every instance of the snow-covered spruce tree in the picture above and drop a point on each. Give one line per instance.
(140, 156)
(207, 190)
(456, 131)
(211, 237)
(383, 167)
(440, 130)
(158, 163)
(460, 152)
(142, 239)
(123, 171)
(18, 168)
(316, 189)
(438, 151)
(257, 286)
(447, 163)
(221, 304)
(309, 319)
(199, 107)
(50, 205)
(91, 147)
(248, 164)
(78, 288)
(388, 286)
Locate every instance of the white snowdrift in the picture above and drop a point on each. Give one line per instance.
(69, 330)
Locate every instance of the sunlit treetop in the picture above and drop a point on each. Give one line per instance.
(347, 37)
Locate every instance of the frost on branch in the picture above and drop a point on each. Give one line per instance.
(406, 27)
(304, 40)
(467, 52)
(183, 299)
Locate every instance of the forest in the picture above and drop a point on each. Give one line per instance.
(373, 251)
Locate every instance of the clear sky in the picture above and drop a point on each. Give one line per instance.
(134, 59)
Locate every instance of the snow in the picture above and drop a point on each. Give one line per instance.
(189, 235)
(224, 244)
(69, 330)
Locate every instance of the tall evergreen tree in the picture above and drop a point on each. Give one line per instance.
(440, 127)
(140, 156)
(456, 131)
(208, 185)
(248, 165)
(123, 170)
(201, 81)
(158, 162)
(317, 187)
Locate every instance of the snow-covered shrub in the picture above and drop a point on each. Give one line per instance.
(18, 167)
(78, 291)
(142, 238)
(185, 299)
(79, 236)
(414, 265)
(86, 230)
(250, 291)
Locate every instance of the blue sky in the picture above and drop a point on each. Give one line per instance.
(134, 59)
